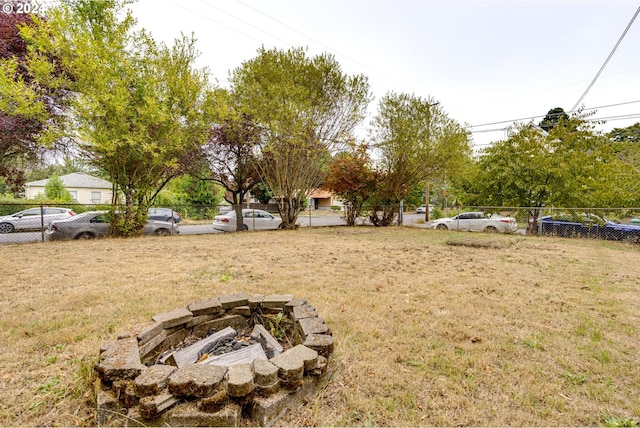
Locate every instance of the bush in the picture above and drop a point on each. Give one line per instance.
(335, 208)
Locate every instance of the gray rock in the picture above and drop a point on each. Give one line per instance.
(322, 343)
(196, 380)
(240, 380)
(276, 300)
(121, 360)
(173, 318)
(153, 380)
(205, 307)
(265, 373)
(151, 407)
(229, 301)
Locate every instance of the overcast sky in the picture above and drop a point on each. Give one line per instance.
(484, 61)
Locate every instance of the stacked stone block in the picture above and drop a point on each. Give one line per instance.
(136, 387)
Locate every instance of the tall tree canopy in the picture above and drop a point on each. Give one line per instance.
(570, 166)
(231, 155)
(140, 108)
(552, 118)
(33, 96)
(306, 108)
(416, 141)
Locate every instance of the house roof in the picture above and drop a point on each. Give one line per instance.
(76, 179)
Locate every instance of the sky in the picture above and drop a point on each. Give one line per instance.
(488, 63)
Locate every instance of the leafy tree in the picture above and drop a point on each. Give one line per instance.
(262, 193)
(626, 146)
(56, 190)
(352, 179)
(33, 97)
(306, 108)
(416, 141)
(141, 108)
(231, 157)
(553, 117)
(569, 166)
(630, 134)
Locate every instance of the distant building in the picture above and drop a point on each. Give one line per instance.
(323, 200)
(84, 188)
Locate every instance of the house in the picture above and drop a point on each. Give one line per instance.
(320, 199)
(84, 188)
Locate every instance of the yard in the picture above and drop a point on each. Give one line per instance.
(431, 328)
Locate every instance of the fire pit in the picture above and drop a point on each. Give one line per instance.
(214, 363)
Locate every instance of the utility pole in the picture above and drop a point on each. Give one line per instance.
(426, 193)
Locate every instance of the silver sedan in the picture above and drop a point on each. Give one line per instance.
(33, 218)
(477, 222)
(251, 220)
(96, 224)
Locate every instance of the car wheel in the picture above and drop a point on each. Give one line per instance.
(442, 227)
(245, 227)
(162, 232)
(6, 228)
(491, 229)
(85, 235)
(280, 226)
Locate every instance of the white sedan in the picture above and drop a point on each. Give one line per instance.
(251, 220)
(477, 222)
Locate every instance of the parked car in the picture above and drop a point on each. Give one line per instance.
(477, 222)
(33, 218)
(252, 220)
(163, 214)
(422, 209)
(587, 226)
(96, 224)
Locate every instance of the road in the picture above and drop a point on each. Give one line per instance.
(201, 229)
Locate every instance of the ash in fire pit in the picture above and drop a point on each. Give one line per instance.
(214, 363)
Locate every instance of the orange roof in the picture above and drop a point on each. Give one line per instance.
(320, 194)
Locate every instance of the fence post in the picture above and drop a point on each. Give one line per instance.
(42, 221)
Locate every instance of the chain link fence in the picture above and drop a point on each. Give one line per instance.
(28, 222)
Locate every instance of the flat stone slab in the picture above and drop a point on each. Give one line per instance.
(144, 332)
(196, 380)
(205, 307)
(229, 301)
(189, 355)
(240, 380)
(303, 312)
(121, 360)
(151, 407)
(271, 346)
(276, 300)
(150, 345)
(313, 325)
(244, 355)
(173, 318)
(153, 380)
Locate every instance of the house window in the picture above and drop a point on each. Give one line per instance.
(95, 197)
(74, 194)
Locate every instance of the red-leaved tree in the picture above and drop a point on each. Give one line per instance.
(352, 180)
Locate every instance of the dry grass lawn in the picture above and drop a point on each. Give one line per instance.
(496, 330)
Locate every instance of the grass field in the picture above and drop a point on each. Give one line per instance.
(431, 328)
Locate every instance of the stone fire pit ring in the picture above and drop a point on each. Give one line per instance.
(147, 377)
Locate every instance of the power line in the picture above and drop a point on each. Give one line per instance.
(538, 116)
(624, 33)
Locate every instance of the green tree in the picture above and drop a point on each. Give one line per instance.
(33, 100)
(569, 166)
(552, 118)
(306, 108)
(56, 190)
(416, 141)
(141, 108)
(231, 157)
